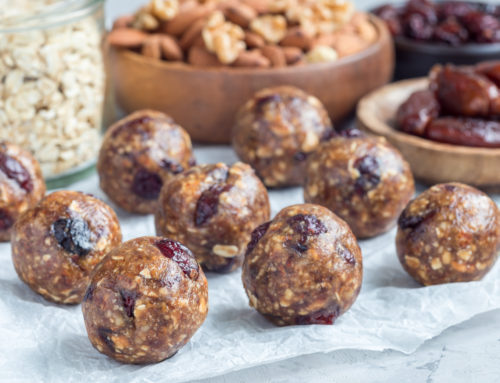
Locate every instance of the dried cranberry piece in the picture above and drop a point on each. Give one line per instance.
(261, 102)
(408, 221)
(181, 255)
(329, 134)
(6, 220)
(128, 301)
(300, 156)
(351, 133)
(325, 317)
(208, 203)
(450, 31)
(172, 166)
(346, 254)
(369, 171)
(192, 161)
(105, 335)
(147, 184)
(73, 235)
(306, 225)
(484, 27)
(417, 27)
(14, 170)
(390, 15)
(89, 294)
(257, 235)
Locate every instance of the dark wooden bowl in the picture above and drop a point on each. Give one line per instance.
(205, 101)
(431, 162)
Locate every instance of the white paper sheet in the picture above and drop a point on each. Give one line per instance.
(41, 341)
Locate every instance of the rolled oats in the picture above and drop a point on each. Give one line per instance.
(52, 91)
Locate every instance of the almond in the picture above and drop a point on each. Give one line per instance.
(275, 55)
(151, 47)
(253, 40)
(127, 37)
(293, 55)
(123, 22)
(185, 18)
(191, 34)
(199, 56)
(170, 48)
(252, 59)
(240, 14)
(297, 37)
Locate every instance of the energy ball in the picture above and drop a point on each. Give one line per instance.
(145, 301)
(58, 243)
(212, 209)
(138, 155)
(303, 267)
(21, 185)
(362, 179)
(276, 130)
(449, 233)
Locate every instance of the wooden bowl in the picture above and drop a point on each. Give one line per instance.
(431, 162)
(205, 100)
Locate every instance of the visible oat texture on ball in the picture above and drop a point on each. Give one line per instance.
(145, 301)
(276, 130)
(58, 243)
(212, 209)
(449, 233)
(21, 185)
(362, 179)
(138, 155)
(303, 267)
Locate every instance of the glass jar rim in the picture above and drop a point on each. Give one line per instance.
(59, 13)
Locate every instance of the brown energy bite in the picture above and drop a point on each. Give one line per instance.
(449, 233)
(138, 155)
(59, 242)
(145, 301)
(276, 130)
(213, 209)
(362, 179)
(303, 267)
(21, 185)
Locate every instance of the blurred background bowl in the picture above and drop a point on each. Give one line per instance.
(205, 100)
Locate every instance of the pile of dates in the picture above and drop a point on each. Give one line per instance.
(451, 22)
(460, 107)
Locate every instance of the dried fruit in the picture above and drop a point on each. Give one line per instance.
(207, 204)
(172, 166)
(408, 221)
(14, 170)
(326, 317)
(369, 174)
(128, 301)
(451, 31)
(73, 235)
(257, 235)
(6, 221)
(415, 114)
(147, 184)
(306, 225)
(181, 255)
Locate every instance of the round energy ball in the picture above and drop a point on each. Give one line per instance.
(212, 209)
(362, 179)
(276, 130)
(145, 301)
(21, 185)
(449, 233)
(58, 243)
(303, 267)
(138, 155)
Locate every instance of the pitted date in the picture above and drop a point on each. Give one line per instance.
(417, 112)
(462, 92)
(465, 131)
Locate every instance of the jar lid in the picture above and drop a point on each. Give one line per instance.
(24, 15)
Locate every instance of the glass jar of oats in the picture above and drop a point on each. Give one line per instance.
(52, 82)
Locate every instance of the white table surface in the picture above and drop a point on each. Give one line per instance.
(469, 352)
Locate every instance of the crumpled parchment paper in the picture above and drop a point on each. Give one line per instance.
(41, 341)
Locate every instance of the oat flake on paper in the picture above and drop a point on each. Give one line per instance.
(45, 342)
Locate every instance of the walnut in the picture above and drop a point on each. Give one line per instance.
(223, 38)
(271, 28)
(164, 9)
